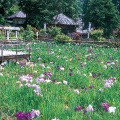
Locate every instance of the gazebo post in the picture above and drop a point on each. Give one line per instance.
(16, 34)
(7, 34)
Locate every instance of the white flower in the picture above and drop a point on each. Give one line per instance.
(89, 108)
(78, 72)
(111, 109)
(42, 75)
(39, 58)
(39, 80)
(47, 81)
(109, 64)
(21, 85)
(57, 56)
(57, 83)
(35, 71)
(76, 91)
(105, 66)
(100, 90)
(113, 63)
(48, 67)
(35, 113)
(90, 74)
(85, 63)
(18, 82)
(1, 74)
(101, 62)
(64, 82)
(66, 60)
(84, 74)
(70, 60)
(62, 68)
(55, 119)
(107, 85)
(42, 65)
(51, 62)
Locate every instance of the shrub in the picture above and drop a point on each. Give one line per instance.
(96, 35)
(61, 38)
(53, 31)
(42, 31)
(28, 34)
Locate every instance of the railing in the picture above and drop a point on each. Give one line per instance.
(13, 40)
(16, 49)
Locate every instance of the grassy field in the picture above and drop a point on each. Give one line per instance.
(66, 82)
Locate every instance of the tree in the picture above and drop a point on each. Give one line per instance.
(117, 4)
(5, 9)
(42, 11)
(78, 6)
(102, 14)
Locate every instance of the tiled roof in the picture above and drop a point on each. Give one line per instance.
(19, 14)
(62, 19)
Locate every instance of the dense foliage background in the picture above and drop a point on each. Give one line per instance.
(104, 14)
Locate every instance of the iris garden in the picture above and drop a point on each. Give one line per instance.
(62, 82)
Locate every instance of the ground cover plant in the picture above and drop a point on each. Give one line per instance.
(62, 82)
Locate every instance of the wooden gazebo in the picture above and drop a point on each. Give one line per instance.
(66, 24)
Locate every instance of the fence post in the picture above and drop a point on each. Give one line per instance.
(29, 52)
(2, 52)
(16, 54)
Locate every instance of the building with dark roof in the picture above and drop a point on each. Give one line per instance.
(66, 24)
(17, 18)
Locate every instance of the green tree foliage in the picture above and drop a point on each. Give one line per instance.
(78, 6)
(102, 14)
(5, 9)
(28, 34)
(53, 31)
(42, 11)
(117, 4)
(96, 35)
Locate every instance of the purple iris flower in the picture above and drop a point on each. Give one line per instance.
(106, 105)
(86, 88)
(94, 76)
(85, 111)
(70, 74)
(58, 67)
(117, 67)
(91, 86)
(54, 80)
(78, 108)
(70, 70)
(45, 73)
(99, 73)
(49, 75)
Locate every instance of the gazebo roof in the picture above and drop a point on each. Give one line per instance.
(11, 28)
(64, 20)
(19, 14)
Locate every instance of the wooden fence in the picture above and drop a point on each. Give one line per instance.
(17, 50)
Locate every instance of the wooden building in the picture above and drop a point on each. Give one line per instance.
(17, 18)
(66, 24)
